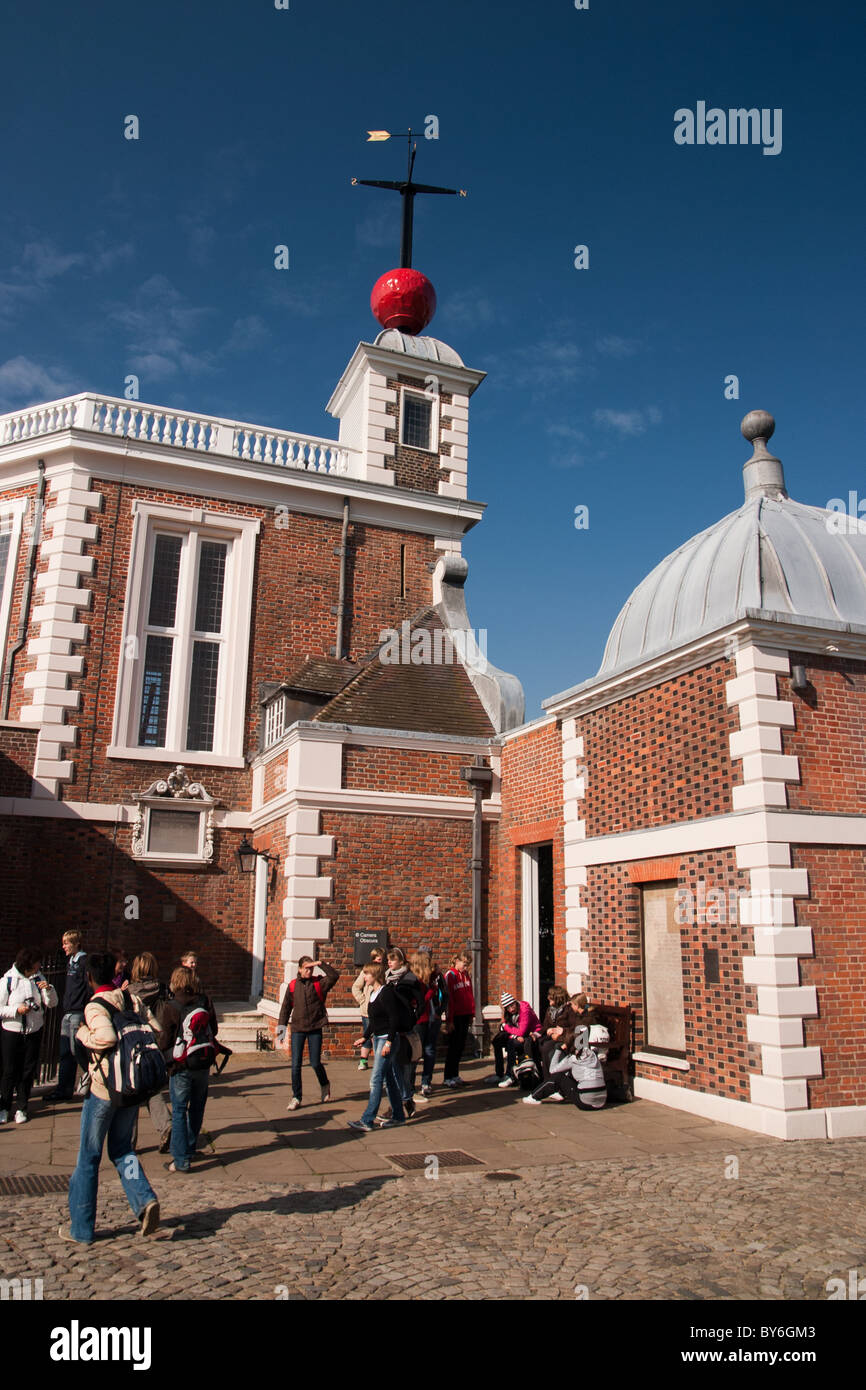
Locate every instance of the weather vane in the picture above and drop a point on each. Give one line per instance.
(407, 188)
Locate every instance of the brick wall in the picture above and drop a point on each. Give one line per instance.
(414, 468)
(836, 912)
(661, 755)
(405, 770)
(17, 755)
(531, 814)
(830, 736)
(720, 1056)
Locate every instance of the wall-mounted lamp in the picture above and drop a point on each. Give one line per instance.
(799, 679)
(248, 854)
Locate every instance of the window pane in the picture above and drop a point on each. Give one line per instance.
(155, 692)
(173, 832)
(5, 542)
(202, 695)
(211, 582)
(416, 421)
(163, 591)
(663, 969)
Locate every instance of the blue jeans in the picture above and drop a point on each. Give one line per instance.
(188, 1091)
(429, 1039)
(98, 1119)
(314, 1041)
(385, 1073)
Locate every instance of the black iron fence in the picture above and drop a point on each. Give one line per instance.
(54, 970)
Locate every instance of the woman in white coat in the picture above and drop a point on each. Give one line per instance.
(24, 996)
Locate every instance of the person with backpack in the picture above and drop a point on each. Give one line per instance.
(459, 1015)
(430, 1021)
(145, 984)
(188, 1032)
(361, 990)
(125, 1069)
(383, 1026)
(75, 995)
(24, 996)
(519, 1032)
(303, 1010)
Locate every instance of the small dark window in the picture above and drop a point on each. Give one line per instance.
(417, 417)
(711, 966)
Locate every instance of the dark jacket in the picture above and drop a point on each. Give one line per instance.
(304, 1001)
(77, 991)
(171, 1015)
(383, 1015)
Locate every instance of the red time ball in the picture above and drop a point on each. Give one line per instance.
(403, 299)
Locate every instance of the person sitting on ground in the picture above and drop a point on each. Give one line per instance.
(383, 1027)
(575, 1075)
(519, 1032)
(25, 994)
(361, 991)
(559, 1017)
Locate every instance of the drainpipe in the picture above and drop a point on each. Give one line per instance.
(24, 615)
(341, 601)
(480, 778)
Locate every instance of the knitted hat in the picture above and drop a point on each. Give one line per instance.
(506, 999)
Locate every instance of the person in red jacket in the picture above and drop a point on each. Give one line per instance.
(519, 1032)
(461, 1011)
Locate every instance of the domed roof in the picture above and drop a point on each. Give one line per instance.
(429, 348)
(773, 555)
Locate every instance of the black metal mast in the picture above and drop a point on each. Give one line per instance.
(407, 190)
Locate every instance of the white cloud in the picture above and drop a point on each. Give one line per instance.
(628, 423)
(24, 382)
(610, 345)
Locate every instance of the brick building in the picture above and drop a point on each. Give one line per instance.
(216, 632)
(704, 798)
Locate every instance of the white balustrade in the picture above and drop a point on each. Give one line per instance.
(199, 433)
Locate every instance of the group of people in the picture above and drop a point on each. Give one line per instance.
(564, 1053)
(135, 1039)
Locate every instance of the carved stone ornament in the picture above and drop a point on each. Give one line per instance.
(177, 788)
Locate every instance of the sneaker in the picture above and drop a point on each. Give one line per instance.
(362, 1065)
(389, 1124)
(506, 1082)
(170, 1168)
(294, 1104)
(359, 1124)
(150, 1219)
(65, 1234)
(326, 1094)
(409, 1107)
(165, 1140)
(426, 1092)
(4, 1116)
(530, 1100)
(20, 1117)
(557, 1095)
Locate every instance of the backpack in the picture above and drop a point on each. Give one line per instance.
(316, 986)
(134, 1067)
(526, 1075)
(410, 1004)
(439, 1002)
(195, 1046)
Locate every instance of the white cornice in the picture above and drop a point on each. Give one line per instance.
(463, 380)
(364, 737)
(373, 803)
(238, 480)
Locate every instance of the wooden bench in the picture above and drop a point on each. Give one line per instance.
(618, 1019)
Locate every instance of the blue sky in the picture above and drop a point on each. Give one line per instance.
(605, 386)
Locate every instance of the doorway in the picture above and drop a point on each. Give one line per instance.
(537, 928)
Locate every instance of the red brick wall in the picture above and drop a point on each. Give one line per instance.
(56, 874)
(661, 755)
(720, 1056)
(531, 814)
(830, 736)
(404, 770)
(17, 754)
(296, 584)
(836, 912)
(414, 468)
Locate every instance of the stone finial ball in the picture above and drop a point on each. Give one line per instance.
(403, 299)
(758, 424)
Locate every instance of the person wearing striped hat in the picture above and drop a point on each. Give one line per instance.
(518, 1034)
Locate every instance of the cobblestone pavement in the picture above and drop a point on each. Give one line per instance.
(660, 1221)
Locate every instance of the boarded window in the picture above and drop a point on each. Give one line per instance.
(664, 1013)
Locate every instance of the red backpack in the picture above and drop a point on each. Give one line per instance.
(195, 1047)
(316, 986)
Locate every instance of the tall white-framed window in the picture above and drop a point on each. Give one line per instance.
(419, 420)
(12, 512)
(183, 661)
